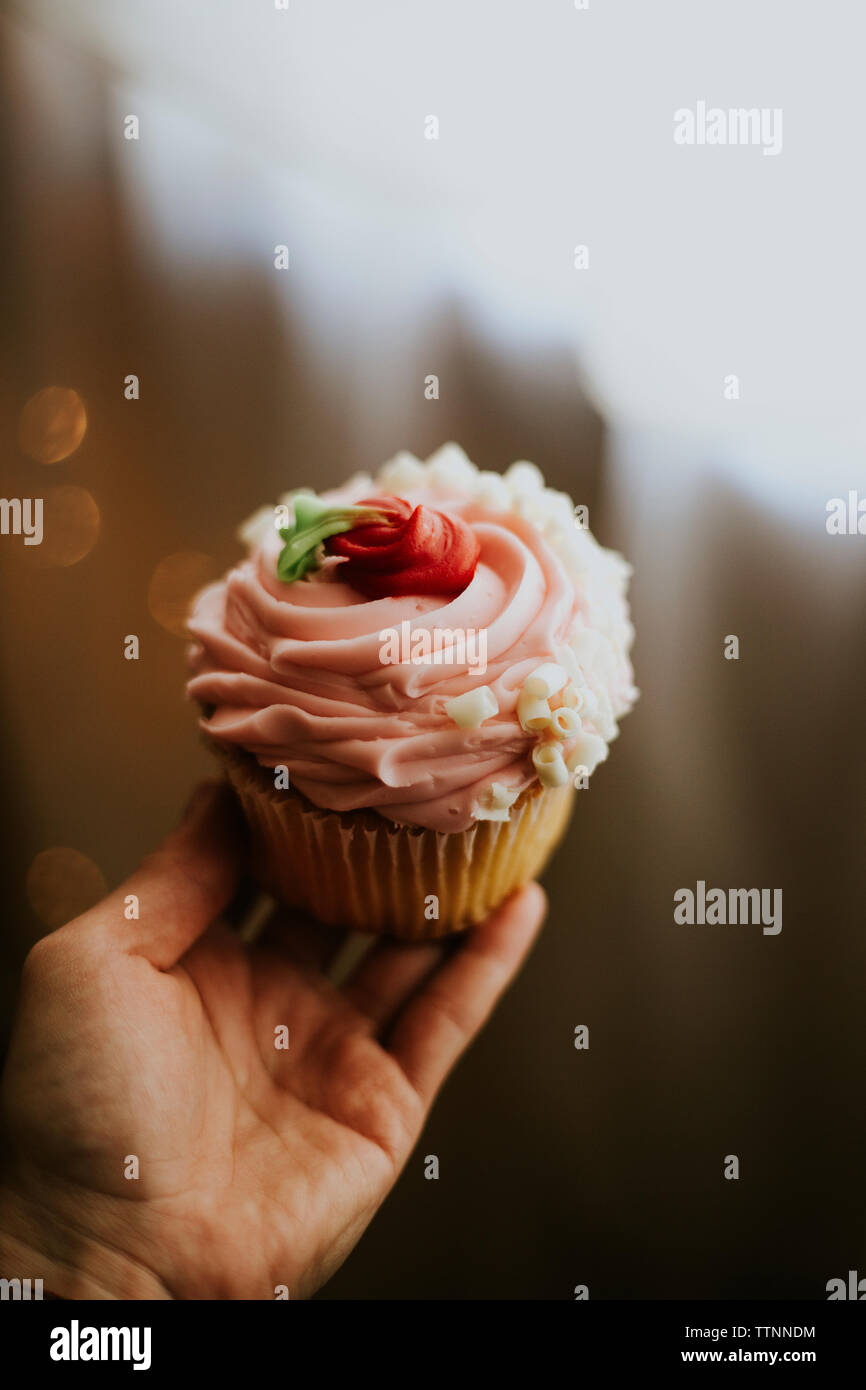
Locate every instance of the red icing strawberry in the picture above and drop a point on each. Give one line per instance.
(412, 551)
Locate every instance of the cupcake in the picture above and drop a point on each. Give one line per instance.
(408, 678)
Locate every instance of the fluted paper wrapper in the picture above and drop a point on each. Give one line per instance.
(356, 869)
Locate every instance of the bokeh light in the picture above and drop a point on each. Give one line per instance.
(174, 583)
(71, 523)
(61, 883)
(53, 424)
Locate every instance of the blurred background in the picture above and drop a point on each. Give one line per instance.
(610, 367)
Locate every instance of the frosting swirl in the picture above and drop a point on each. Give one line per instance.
(295, 675)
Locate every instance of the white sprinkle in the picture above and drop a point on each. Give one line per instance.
(586, 644)
(566, 657)
(450, 468)
(402, 471)
(523, 477)
(490, 492)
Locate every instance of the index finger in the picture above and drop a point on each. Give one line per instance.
(177, 891)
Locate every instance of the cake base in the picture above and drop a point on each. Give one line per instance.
(356, 869)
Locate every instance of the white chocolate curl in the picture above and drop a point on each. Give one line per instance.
(470, 710)
(566, 722)
(546, 680)
(496, 803)
(550, 765)
(534, 714)
(589, 750)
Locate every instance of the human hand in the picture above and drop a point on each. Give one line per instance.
(154, 1039)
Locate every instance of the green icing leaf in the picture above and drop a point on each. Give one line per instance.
(315, 521)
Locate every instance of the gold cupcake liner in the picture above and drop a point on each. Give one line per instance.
(355, 869)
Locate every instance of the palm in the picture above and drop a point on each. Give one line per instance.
(296, 1147)
(144, 1086)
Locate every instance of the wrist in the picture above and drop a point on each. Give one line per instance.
(71, 1262)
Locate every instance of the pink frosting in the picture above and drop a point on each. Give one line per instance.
(295, 676)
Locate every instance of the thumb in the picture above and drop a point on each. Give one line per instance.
(182, 885)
